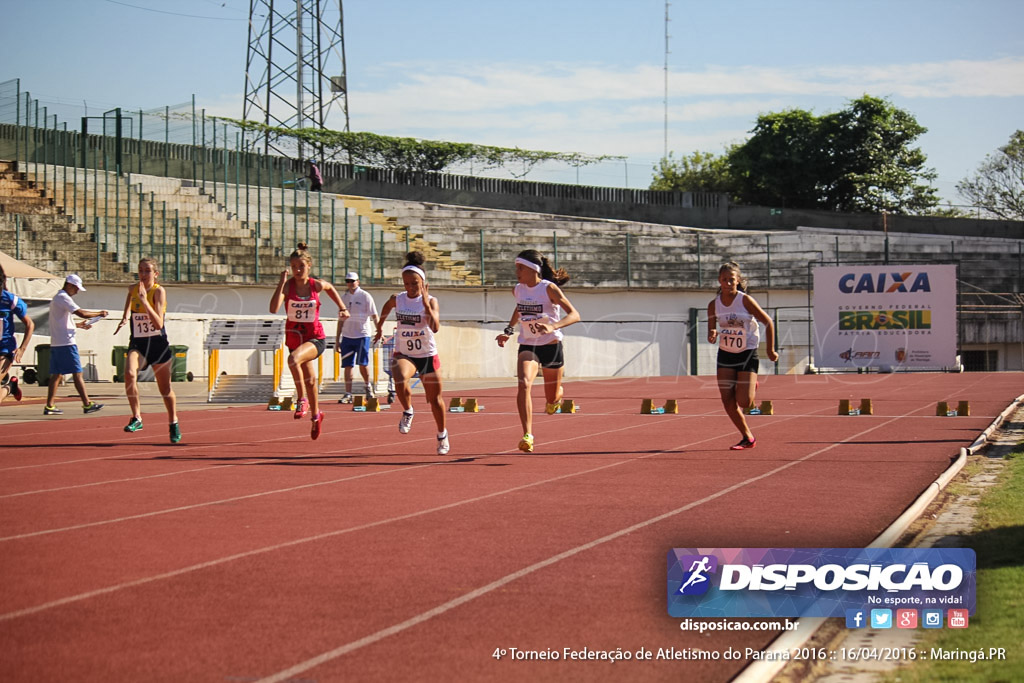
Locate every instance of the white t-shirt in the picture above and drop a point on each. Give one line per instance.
(534, 305)
(413, 336)
(361, 306)
(62, 324)
(737, 327)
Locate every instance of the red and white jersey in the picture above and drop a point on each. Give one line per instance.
(413, 336)
(303, 315)
(534, 305)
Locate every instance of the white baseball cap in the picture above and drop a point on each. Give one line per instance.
(352, 275)
(76, 281)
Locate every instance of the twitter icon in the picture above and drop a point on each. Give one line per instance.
(881, 618)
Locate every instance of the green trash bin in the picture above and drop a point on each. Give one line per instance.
(118, 357)
(179, 370)
(43, 364)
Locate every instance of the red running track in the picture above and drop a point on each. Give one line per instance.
(249, 552)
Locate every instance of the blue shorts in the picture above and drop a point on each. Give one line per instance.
(64, 360)
(8, 346)
(355, 351)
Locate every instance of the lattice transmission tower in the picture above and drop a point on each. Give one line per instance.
(295, 67)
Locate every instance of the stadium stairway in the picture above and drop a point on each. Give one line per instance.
(218, 228)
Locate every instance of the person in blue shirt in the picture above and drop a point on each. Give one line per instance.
(11, 307)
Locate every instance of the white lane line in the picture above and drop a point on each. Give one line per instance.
(395, 629)
(259, 551)
(288, 544)
(154, 513)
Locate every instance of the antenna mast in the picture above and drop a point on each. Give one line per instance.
(295, 66)
(666, 77)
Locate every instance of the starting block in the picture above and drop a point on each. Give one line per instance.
(866, 407)
(287, 403)
(274, 403)
(671, 407)
(568, 406)
(766, 408)
(470, 405)
(366, 405)
(942, 409)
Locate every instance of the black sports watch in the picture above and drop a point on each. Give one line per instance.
(509, 330)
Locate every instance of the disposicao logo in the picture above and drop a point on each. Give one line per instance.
(696, 580)
(818, 582)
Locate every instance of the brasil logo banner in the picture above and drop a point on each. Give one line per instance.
(817, 582)
(896, 316)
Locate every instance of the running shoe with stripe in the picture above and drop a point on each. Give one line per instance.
(318, 423)
(406, 424)
(745, 443)
(526, 443)
(134, 425)
(93, 407)
(52, 410)
(15, 389)
(301, 409)
(442, 445)
(175, 432)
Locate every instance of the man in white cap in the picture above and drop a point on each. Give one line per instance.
(353, 340)
(64, 358)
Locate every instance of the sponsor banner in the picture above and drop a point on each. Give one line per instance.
(817, 582)
(885, 316)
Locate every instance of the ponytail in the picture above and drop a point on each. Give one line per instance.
(559, 277)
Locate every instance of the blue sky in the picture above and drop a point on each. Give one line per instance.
(564, 75)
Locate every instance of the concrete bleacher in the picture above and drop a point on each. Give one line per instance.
(211, 231)
(222, 232)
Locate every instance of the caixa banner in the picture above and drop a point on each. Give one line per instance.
(816, 582)
(885, 316)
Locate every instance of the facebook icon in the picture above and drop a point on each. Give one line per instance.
(855, 618)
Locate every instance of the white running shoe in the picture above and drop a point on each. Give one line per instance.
(406, 424)
(370, 393)
(442, 445)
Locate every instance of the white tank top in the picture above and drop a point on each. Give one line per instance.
(413, 336)
(737, 328)
(534, 305)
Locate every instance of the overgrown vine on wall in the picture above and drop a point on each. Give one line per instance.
(413, 154)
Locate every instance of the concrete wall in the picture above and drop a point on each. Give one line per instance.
(623, 333)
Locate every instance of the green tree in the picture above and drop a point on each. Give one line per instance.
(859, 159)
(998, 184)
(699, 172)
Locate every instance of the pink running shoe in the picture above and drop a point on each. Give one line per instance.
(745, 443)
(15, 389)
(301, 409)
(318, 423)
